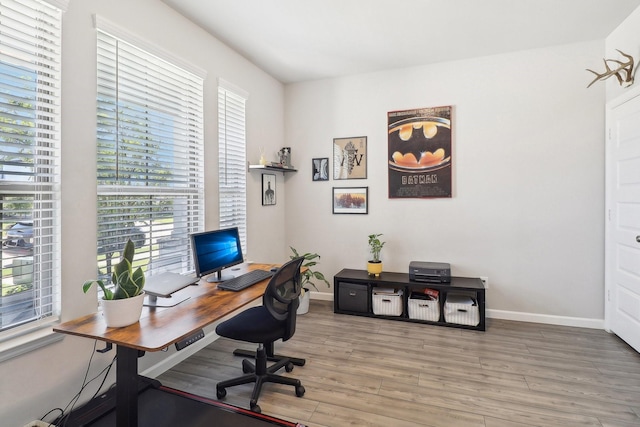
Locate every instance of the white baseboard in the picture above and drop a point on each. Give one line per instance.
(39, 423)
(578, 322)
(323, 296)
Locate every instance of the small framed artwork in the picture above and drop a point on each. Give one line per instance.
(350, 158)
(321, 169)
(350, 200)
(268, 189)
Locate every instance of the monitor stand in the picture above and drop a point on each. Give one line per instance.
(218, 277)
(152, 301)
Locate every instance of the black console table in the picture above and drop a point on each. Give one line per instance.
(460, 303)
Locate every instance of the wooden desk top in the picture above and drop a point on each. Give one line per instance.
(159, 327)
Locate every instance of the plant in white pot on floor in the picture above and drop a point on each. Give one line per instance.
(306, 277)
(122, 305)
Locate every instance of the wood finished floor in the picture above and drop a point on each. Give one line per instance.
(379, 373)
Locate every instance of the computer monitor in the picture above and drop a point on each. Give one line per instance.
(215, 250)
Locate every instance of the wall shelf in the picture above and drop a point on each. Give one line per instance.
(271, 168)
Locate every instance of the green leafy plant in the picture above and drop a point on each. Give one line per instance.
(127, 282)
(375, 246)
(308, 275)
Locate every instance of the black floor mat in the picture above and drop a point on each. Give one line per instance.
(165, 407)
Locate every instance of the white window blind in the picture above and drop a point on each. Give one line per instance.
(29, 164)
(149, 162)
(232, 170)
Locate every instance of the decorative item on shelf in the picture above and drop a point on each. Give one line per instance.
(307, 276)
(122, 306)
(374, 266)
(623, 72)
(263, 160)
(284, 156)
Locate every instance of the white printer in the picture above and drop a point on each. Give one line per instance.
(430, 272)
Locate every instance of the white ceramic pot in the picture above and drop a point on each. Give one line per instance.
(122, 312)
(303, 308)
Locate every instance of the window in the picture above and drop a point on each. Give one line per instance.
(232, 170)
(149, 161)
(29, 164)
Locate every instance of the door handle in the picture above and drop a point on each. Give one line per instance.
(638, 239)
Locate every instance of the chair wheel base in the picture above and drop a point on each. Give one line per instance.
(300, 391)
(247, 367)
(254, 407)
(221, 393)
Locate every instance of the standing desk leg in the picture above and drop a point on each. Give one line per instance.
(126, 387)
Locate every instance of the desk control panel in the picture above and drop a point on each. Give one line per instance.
(187, 341)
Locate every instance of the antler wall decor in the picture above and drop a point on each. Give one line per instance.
(624, 68)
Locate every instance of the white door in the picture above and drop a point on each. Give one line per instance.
(622, 256)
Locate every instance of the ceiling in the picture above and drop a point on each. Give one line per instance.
(301, 40)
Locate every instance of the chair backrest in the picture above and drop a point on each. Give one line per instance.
(281, 297)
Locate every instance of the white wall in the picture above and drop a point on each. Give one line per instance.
(625, 38)
(527, 207)
(49, 378)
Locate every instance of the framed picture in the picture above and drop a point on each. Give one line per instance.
(268, 189)
(350, 200)
(321, 169)
(420, 154)
(350, 158)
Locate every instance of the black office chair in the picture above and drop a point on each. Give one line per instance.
(275, 319)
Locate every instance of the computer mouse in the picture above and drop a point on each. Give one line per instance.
(274, 269)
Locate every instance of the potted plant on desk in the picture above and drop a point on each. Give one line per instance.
(122, 306)
(306, 278)
(374, 266)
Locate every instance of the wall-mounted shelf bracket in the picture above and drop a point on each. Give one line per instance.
(271, 168)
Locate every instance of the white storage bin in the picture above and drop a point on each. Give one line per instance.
(424, 309)
(386, 302)
(461, 309)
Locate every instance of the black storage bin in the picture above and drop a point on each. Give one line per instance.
(353, 297)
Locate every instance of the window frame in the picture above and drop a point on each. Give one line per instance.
(232, 158)
(130, 189)
(40, 51)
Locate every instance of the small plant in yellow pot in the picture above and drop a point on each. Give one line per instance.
(374, 266)
(122, 306)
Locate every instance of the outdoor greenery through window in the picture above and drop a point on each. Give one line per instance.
(29, 164)
(150, 157)
(232, 159)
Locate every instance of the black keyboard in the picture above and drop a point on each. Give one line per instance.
(245, 280)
